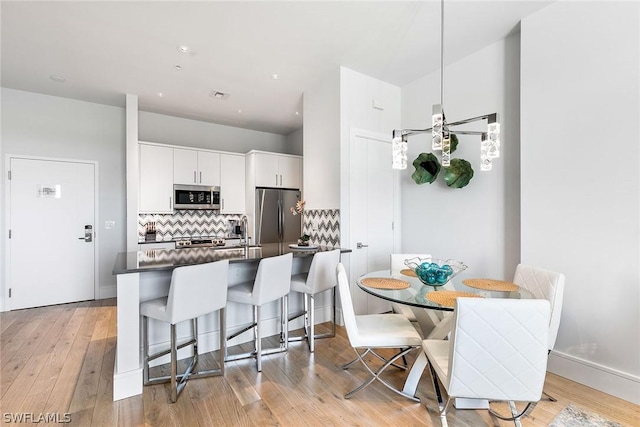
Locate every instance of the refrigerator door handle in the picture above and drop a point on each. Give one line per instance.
(280, 221)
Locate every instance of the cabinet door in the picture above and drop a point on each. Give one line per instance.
(267, 174)
(156, 180)
(289, 169)
(185, 166)
(232, 184)
(208, 168)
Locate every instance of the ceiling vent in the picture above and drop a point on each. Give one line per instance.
(219, 95)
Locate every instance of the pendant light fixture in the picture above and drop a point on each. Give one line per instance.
(441, 130)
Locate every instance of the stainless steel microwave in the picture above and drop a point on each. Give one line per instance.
(196, 197)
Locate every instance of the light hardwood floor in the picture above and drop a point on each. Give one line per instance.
(59, 359)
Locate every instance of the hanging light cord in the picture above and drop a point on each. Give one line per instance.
(442, 54)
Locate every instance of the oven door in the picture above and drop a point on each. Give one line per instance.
(196, 197)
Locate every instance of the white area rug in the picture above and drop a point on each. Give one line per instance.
(574, 416)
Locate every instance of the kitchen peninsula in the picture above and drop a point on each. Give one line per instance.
(145, 275)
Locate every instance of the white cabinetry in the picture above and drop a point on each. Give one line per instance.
(196, 167)
(232, 183)
(156, 179)
(276, 170)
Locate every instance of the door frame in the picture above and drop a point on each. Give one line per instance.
(5, 301)
(386, 138)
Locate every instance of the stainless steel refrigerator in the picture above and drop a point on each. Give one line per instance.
(274, 223)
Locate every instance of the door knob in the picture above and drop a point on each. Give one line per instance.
(359, 245)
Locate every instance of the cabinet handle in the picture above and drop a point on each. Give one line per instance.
(170, 204)
(200, 177)
(194, 177)
(280, 179)
(276, 179)
(222, 207)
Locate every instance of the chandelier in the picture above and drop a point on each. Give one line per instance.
(441, 130)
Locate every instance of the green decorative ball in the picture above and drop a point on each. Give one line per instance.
(458, 174)
(427, 168)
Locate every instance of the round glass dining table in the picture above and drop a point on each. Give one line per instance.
(415, 295)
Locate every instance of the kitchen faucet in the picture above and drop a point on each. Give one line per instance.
(245, 230)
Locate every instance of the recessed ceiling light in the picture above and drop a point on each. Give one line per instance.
(297, 113)
(218, 95)
(184, 49)
(57, 79)
(239, 111)
(160, 94)
(274, 77)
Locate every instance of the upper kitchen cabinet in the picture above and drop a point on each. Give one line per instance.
(275, 170)
(192, 167)
(232, 184)
(156, 180)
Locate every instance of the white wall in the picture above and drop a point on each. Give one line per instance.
(49, 126)
(159, 128)
(295, 142)
(580, 182)
(477, 224)
(321, 143)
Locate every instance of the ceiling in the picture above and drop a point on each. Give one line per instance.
(104, 50)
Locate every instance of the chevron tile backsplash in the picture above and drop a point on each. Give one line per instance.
(201, 223)
(186, 223)
(327, 232)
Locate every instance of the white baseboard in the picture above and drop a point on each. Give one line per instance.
(603, 378)
(126, 384)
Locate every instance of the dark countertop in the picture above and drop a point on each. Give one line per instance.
(168, 259)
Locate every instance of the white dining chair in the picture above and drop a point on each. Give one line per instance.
(497, 351)
(195, 290)
(371, 331)
(272, 283)
(544, 284)
(320, 278)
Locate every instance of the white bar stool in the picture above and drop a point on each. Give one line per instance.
(321, 277)
(273, 281)
(195, 290)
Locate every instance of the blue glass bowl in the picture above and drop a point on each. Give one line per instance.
(435, 272)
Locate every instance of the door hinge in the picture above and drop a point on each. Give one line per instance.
(9, 292)
(9, 172)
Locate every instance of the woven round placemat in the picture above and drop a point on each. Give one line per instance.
(408, 272)
(383, 283)
(448, 298)
(491, 285)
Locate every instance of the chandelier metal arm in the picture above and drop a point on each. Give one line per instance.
(411, 132)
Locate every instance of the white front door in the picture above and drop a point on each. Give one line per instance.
(52, 223)
(373, 197)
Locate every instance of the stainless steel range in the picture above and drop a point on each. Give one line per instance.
(199, 243)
